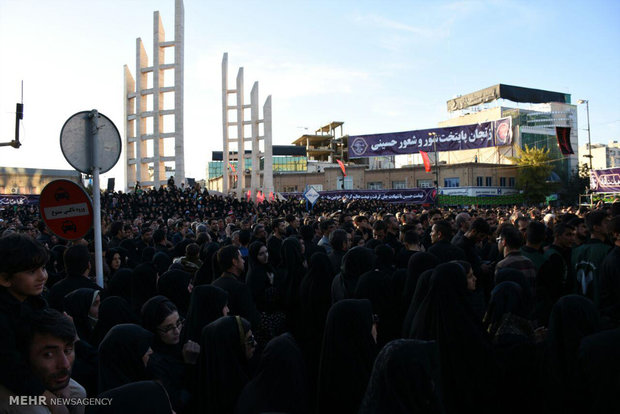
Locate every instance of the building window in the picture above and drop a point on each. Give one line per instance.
(348, 183)
(502, 181)
(375, 185)
(317, 187)
(479, 181)
(511, 181)
(451, 182)
(425, 183)
(399, 185)
(489, 181)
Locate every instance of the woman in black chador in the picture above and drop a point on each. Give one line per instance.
(207, 303)
(142, 397)
(468, 366)
(422, 286)
(280, 381)
(405, 379)
(113, 311)
(349, 350)
(123, 355)
(226, 346)
(268, 293)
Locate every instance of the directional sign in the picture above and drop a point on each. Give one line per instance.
(66, 209)
(312, 195)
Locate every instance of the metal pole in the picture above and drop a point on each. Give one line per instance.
(94, 122)
(589, 142)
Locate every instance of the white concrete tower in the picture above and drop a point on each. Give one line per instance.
(154, 109)
(239, 142)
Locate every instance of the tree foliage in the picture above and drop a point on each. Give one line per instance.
(533, 172)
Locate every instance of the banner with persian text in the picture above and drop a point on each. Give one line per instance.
(474, 136)
(18, 200)
(411, 195)
(605, 181)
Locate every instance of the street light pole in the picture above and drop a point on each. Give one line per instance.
(587, 102)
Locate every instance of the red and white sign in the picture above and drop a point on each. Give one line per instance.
(66, 209)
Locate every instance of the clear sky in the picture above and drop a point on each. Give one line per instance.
(379, 66)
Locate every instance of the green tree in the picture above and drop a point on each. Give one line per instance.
(578, 183)
(533, 172)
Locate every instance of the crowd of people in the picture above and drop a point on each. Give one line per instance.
(217, 305)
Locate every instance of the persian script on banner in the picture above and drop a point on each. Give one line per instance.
(605, 181)
(474, 136)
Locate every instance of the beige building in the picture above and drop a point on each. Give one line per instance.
(32, 180)
(603, 156)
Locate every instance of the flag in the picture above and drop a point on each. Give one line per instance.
(563, 136)
(232, 167)
(260, 197)
(248, 196)
(342, 167)
(427, 161)
(271, 196)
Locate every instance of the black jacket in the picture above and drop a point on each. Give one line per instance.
(68, 285)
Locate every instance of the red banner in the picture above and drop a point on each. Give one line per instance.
(427, 161)
(344, 172)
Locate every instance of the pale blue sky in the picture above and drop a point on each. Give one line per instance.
(378, 66)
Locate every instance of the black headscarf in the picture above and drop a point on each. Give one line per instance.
(174, 284)
(506, 298)
(347, 356)
(424, 283)
(154, 312)
(120, 356)
(355, 262)
(207, 273)
(222, 364)
(374, 286)
(162, 262)
(131, 251)
(77, 305)
(267, 296)
(573, 317)
(599, 365)
(113, 311)
(418, 264)
(120, 284)
(205, 306)
(280, 381)
(142, 397)
(468, 366)
(143, 284)
(404, 379)
(507, 274)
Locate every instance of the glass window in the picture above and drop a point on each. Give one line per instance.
(451, 182)
(425, 183)
(479, 181)
(502, 181)
(375, 185)
(348, 183)
(511, 181)
(399, 185)
(489, 181)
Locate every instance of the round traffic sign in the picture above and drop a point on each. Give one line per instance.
(76, 142)
(66, 209)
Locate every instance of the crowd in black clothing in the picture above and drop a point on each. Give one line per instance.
(216, 305)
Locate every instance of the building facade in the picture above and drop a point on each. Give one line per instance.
(27, 181)
(603, 156)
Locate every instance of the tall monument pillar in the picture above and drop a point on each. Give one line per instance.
(154, 109)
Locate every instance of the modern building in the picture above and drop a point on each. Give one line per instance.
(603, 156)
(27, 181)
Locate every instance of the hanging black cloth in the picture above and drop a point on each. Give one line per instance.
(120, 356)
(405, 379)
(468, 366)
(347, 357)
(205, 306)
(280, 381)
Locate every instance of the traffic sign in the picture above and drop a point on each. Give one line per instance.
(66, 209)
(312, 195)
